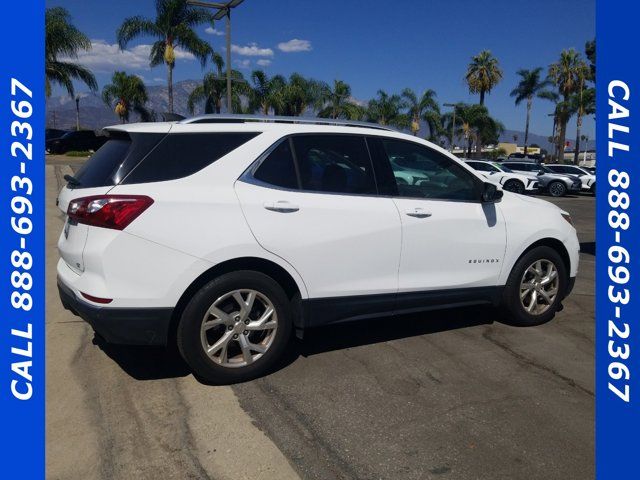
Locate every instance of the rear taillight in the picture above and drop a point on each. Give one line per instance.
(108, 211)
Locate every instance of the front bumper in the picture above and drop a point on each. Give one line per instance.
(127, 326)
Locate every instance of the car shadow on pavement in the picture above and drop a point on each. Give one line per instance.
(154, 363)
(145, 363)
(366, 332)
(588, 247)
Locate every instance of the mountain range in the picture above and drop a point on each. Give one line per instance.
(94, 114)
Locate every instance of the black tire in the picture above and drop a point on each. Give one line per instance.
(593, 189)
(515, 312)
(515, 186)
(188, 332)
(557, 189)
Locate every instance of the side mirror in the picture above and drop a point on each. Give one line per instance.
(491, 193)
(540, 172)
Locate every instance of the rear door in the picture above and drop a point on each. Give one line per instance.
(320, 211)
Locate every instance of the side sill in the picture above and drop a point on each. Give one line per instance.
(324, 311)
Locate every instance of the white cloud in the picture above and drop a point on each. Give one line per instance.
(106, 57)
(295, 45)
(264, 62)
(252, 50)
(245, 63)
(213, 31)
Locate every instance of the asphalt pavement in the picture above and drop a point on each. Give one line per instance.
(441, 395)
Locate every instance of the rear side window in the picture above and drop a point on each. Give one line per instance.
(334, 164)
(111, 162)
(278, 168)
(183, 154)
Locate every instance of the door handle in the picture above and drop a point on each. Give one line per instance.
(418, 213)
(281, 206)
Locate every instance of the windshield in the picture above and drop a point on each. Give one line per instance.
(502, 167)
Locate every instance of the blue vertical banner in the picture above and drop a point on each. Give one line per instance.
(618, 241)
(22, 184)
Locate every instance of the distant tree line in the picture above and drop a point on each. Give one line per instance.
(568, 83)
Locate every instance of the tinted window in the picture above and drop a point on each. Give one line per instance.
(115, 159)
(526, 167)
(278, 168)
(482, 167)
(334, 163)
(181, 155)
(422, 172)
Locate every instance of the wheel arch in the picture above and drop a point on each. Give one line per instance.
(550, 242)
(268, 267)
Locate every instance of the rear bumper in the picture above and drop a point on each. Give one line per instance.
(127, 326)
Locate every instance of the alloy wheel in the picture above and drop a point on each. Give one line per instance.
(539, 287)
(557, 189)
(238, 328)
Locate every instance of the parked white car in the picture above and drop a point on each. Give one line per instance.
(508, 179)
(588, 179)
(228, 234)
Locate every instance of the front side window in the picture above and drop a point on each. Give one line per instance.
(334, 164)
(422, 172)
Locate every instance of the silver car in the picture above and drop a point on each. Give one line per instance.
(556, 184)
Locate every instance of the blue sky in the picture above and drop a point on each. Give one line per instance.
(416, 44)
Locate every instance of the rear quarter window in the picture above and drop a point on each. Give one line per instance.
(111, 162)
(182, 154)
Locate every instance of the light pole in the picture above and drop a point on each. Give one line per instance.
(223, 10)
(453, 123)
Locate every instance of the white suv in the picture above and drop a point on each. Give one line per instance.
(509, 180)
(227, 234)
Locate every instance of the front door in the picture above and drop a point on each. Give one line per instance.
(450, 240)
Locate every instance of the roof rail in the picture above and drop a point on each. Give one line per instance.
(228, 118)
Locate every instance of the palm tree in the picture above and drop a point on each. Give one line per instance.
(261, 93)
(531, 85)
(483, 73)
(582, 103)
(172, 27)
(387, 110)
(336, 102)
(424, 108)
(294, 96)
(474, 123)
(568, 74)
(62, 39)
(214, 88)
(126, 93)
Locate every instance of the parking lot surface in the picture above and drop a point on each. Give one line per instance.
(449, 394)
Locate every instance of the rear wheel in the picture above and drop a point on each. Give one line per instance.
(514, 186)
(557, 189)
(235, 328)
(535, 287)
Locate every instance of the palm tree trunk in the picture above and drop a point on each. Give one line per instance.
(576, 153)
(561, 140)
(170, 85)
(526, 127)
(481, 97)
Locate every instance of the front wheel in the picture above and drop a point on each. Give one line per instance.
(514, 186)
(535, 287)
(235, 328)
(557, 189)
